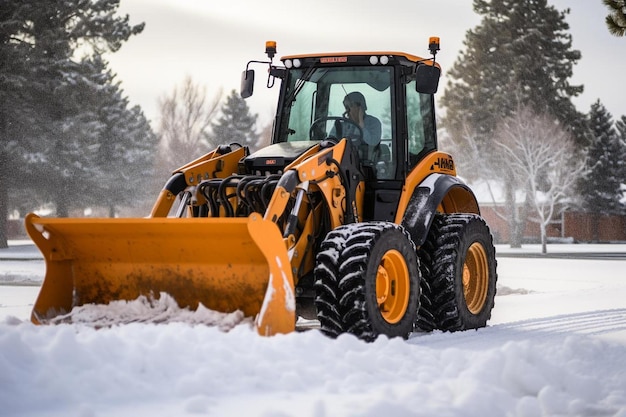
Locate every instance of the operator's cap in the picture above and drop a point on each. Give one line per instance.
(355, 97)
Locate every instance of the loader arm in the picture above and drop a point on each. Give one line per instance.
(219, 163)
(335, 173)
(329, 170)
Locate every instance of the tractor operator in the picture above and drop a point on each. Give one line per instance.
(355, 106)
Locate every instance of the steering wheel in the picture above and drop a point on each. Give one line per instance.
(339, 119)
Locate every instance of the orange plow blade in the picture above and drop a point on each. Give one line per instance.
(226, 264)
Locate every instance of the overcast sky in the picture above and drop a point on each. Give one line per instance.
(212, 42)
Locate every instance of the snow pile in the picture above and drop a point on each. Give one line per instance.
(556, 345)
(149, 310)
(180, 369)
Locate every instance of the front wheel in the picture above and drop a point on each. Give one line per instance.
(367, 281)
(462, 279)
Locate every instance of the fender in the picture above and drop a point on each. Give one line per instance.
(446, 192)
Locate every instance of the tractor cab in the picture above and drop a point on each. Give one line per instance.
(381, 101)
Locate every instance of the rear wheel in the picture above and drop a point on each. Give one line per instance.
(370, 273)
(425, 318)
(462, 279)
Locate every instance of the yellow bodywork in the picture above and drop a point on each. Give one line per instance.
(224, 263)
(227, 264)
(457, 200)
(209, 254)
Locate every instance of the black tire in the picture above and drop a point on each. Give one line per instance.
(376, 272)
(327, 281)
(458, 246)
(425, 318)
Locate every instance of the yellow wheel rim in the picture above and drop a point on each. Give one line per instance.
(392, 286)
(475, 278)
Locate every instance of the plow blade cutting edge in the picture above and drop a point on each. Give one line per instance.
(227, 264)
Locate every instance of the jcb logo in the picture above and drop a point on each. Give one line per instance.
(444, 164)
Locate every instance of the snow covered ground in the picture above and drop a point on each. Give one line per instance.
(556, 345)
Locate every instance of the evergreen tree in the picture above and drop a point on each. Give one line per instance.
(61, 165)
(126, 147)
(235, 124)
(46, 135)
(601, 188)
(520, 55)
(616, 20)
(620, 126)
(14, 109)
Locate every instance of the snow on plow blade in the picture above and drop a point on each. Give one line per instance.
(227, 264)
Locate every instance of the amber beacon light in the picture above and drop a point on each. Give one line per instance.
(433, 44)
(270, 49)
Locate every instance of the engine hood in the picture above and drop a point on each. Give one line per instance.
(274, 158)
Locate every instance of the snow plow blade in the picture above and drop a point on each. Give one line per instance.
(226, 264)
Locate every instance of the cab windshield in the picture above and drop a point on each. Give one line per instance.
(341, 102)
(316, 94)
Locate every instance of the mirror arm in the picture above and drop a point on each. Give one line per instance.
(257, 62)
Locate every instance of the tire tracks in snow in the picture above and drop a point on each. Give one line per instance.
(591, 323)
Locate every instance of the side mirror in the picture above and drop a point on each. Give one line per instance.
(427, 79)
(247, 83)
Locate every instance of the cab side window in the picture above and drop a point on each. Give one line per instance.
(420, 124)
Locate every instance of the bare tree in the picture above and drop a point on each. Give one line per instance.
(544, 156)
(186, 117)
(475, 163)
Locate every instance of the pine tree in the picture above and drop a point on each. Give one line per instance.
(600, 189)
(15, 111)
(620, 126)
(126, 146)
(616, 20)
(520, 55)
(236, 124)
(61, 166)
(46, 134)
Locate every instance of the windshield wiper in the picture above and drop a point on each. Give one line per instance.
(306, 76)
